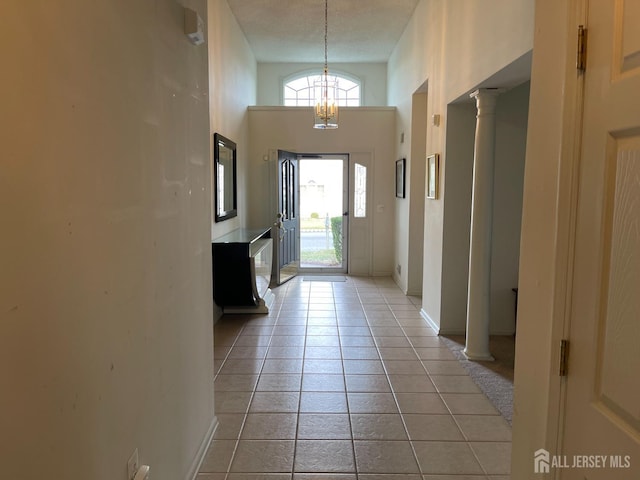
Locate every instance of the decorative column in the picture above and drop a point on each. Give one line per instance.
(478, 296)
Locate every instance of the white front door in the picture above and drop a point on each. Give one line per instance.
(360, 224)
(602, 410)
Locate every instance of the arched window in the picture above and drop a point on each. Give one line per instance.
(298, 90)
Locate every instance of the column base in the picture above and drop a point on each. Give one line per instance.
(478, 358)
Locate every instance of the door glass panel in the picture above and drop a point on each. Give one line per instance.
(284, 197)
(292, 191)
(360, 191)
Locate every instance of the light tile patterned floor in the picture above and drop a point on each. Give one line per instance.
(345, 381)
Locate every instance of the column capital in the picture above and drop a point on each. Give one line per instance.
(486, 99)
(486, 92)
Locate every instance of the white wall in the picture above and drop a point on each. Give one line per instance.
(364, 129)
(372, 75)
(232, 82)
(455, 45)
(416, 193)
(461, 126)
(409, 211)
(105, 277)
(511, 133)
(512, 111)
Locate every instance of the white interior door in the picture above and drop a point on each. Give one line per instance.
(602, 411)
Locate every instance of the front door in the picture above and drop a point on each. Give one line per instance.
(287, 231)
(602, 412)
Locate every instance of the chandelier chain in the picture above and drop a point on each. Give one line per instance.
(326, 28)
(326, 107)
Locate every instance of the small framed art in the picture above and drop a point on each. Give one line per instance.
(432, 176)
(400, 180)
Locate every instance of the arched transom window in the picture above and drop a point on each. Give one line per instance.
(298, 90)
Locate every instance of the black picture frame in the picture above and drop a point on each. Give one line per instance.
(400, 177)
(225, 178)
(433, 174)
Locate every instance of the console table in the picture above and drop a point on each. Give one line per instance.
(242, 271)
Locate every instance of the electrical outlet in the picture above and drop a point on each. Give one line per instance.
(398, 269)
(132, 465)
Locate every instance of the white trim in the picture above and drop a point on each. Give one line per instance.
(431, 323)
(318, 71)
(565, 225)
(383, 273)
(439, 331)
(202, 450)
(454, 332)
(502, 333)
(282, 108)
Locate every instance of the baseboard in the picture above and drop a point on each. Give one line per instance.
(428, 319)
(502, 333)
(382, 274)
(453, 332)
(217, 313)
(462, 332)
(202, 451)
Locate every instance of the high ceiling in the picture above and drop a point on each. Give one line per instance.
(293, 30)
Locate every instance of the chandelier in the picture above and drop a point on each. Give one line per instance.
(325, 90)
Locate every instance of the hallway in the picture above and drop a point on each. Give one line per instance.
(344, 380)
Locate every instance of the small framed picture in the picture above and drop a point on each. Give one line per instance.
(432, 176)
(400, 164)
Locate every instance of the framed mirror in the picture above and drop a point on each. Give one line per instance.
(225, 186)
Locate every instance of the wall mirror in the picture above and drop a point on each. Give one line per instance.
(224, 164)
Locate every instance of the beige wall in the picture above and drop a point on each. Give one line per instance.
(368, 130)
(455, 45)
(232, 83)
(105, 277)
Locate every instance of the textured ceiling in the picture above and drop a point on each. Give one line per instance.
(293, 30)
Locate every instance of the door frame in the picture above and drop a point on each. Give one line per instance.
(566, 226)
(543, 392)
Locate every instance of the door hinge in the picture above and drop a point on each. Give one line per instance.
(564, 358)
(581, 56)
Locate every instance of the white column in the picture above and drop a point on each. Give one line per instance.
(478, 297)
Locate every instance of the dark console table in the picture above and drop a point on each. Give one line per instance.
(242, 271)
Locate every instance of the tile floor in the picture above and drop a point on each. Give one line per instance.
(345, 381)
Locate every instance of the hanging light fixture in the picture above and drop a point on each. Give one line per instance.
(325, 90)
